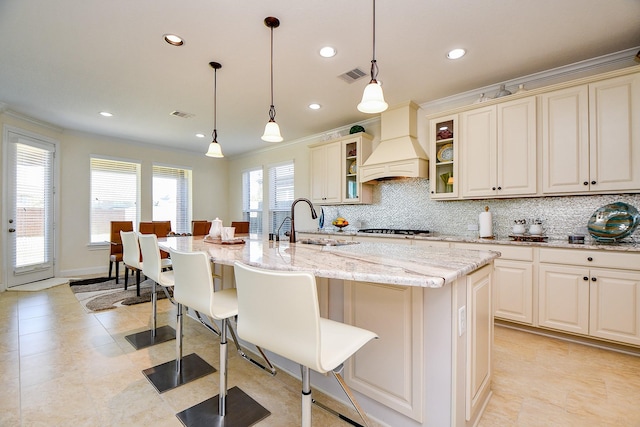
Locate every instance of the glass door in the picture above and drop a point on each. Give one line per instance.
(30, 209)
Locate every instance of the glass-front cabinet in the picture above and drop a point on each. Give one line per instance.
(443, 152)
(335, 166)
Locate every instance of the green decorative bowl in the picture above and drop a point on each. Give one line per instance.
(613, 222)
(356, 129)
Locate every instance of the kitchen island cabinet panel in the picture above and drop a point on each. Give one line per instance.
(388, 369)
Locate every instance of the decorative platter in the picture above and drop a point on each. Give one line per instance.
(445, 153)
(613, 222)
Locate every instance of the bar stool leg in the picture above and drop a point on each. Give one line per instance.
(306, 397)
(222, 396)
(154, 308)
(184, 369)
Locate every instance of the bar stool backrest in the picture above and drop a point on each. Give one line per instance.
(151, 266)
(131, 250)
(193, 285)
(278, 310)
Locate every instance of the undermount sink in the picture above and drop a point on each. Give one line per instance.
(327, 242)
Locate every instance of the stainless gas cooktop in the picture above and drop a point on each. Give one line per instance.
(392, 231)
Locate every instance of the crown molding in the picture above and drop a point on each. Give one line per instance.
(4, 109)
(600, 64)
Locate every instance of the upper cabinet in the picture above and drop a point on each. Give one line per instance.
(334, 170)
(591, 137)
(443, 151)
(498, 149)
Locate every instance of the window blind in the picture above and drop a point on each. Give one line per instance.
(252, 195)
(172, 198)
(115, 195)
(281, 195)
(34, 207)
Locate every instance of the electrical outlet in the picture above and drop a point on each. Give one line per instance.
(462, 320)
(472, 227)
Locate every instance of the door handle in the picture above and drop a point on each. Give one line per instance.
(12, 230)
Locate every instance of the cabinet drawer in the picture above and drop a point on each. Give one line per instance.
(587, 258)
(516, 253)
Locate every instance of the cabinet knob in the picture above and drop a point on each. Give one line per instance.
(593, 183)
(585, 278)
(589, 259)
(593, 279)
(432, 191)
(586, 183)
(493, 188)
(499, 188)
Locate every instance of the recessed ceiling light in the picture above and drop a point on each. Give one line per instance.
(328, 52)
(314, 106)
(200, 135)
(456, 53)
(174, 40)
(106, 114)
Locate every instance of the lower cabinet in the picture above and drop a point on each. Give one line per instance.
(513, 281)
(602, 301)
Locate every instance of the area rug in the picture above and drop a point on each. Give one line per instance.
(100, 294)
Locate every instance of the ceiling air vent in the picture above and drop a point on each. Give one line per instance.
(353, 75)
(181, 114)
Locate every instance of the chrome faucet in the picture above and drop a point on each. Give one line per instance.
(314, 215)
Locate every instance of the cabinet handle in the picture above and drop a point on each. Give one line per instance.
(589, 259)
(585, 278)
(586, 183)
(593, 279)
(593, 183)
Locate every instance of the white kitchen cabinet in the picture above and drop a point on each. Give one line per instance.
(334, 170)
(513, 281)
(325, 173)
(590, 137)
(590, 293)
(498, 149)
(443, 151)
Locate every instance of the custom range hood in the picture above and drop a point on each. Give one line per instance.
(399, 154)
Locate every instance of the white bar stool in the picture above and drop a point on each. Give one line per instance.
(131, 257)
(278, 310)
(153, 267)
(194, 289)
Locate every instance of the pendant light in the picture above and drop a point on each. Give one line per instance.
(214, 148)
(373, 98)
(272, 130)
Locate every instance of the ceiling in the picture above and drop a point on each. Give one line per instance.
(64, 61)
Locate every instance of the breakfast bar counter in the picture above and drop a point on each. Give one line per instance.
(431, 308)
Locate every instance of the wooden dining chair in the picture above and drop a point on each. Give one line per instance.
(115, 256)
(200, 227)
(242, 227)
(159, 228)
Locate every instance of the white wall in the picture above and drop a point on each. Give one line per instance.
(74, 256)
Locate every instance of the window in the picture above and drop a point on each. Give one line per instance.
(280, 196)
(252, 199)
(172, 197)
(115, 190)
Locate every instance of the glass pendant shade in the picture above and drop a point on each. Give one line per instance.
(372, 99)
(214, 150)
(272, 132)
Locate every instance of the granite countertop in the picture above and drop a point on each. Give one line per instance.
(389, 263)
(627, 245)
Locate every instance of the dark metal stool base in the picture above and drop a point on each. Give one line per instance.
(241, 411)
(165, 377)
(144, 339)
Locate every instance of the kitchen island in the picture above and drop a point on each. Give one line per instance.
(430, 307)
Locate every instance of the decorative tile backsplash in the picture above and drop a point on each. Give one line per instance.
(405, 203)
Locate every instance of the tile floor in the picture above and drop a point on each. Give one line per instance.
(61, 366)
